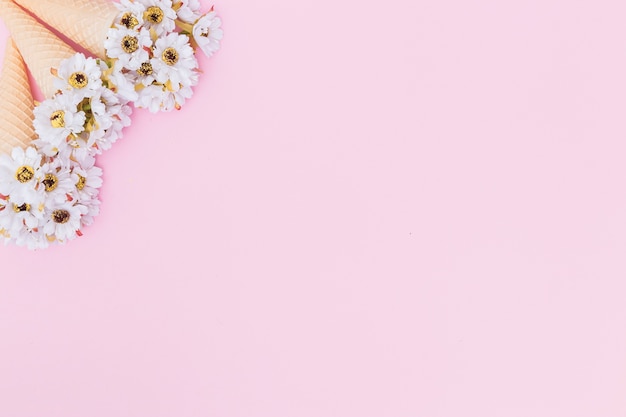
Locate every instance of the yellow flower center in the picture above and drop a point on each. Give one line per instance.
(130, 44)
(57, 119)
(23, 207)
(79, 80)
(170, 56)
(154, 14)
(50, 182)
(24, 174)
(129, 20)
(145, 69)
(82, 181)
(205, 33)
(61, 216)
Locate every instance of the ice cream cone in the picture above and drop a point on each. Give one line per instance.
(86, 22)
(42, 50)
(16, 102)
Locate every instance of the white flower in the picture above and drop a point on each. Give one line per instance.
(21, 235)
(121, 83)
(175, 64)
(106, 116)
(78, 148)
(93, 209)
(80, 74)
(208, 34)
(157, 98)
(62, 149)
(78, 144)
(22, 216)
(145, 74)
(58, 118)
(87, 179)
(62, 221)
(119, 112)
(19, 217)
(151, 98)
(32, 238)
(188, 10)
(56, 181)
(19, 173)
(100, 117)
(128, 45)
(111, 115)
(21, 213)
(181, 96)
(131, 14)
(159, 15)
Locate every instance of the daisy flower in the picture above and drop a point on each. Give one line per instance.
(80, 74)
(157, 98)
(118, 113)
(87, 180)
(57, 118)
(19, 173)
(107, 116)
(145, 74)
(175, 64)
(61, 149)
(180, 97)
(93, 209)
(188, 10)
(120, 82)
(99, 118)
(62, 220)
(208, 34)
(152, 98)
(159, 16)
(131, 14)
(56, 182)
(32, 239)
(20, 215)
(78, 148)
(128, 45)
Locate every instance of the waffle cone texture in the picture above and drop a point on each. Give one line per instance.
(16, 102)
(86, 22)
(42, 50)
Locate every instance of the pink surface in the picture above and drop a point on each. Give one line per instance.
(400, 208)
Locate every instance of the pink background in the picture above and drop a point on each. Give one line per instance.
(399, 208)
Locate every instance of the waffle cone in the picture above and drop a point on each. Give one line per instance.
(86, 22)
(16, 102)
(42, 50)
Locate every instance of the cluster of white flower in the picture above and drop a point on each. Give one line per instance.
(87, 114)
(46, 200)
(152, 44)
(50, 190)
